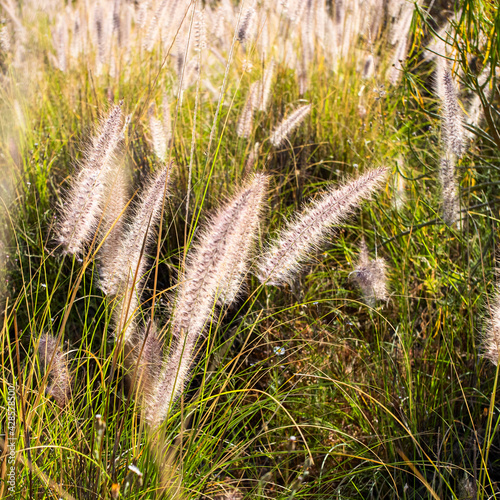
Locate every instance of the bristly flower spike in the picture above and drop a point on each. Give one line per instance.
(282, 132)
(231, 285)
(451, 111)
(158, 135)
(144, 358)
(252, 159)
(245, 123)
(112, 227)
(54, 360)
(491, 339)
(449, 190)
(370, 276)
(265, 88)
(82, 208)
(213, 271)
(307, 231)
(245, 27)
(127, 263)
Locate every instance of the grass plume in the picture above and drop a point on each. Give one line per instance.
(307, 231)
(491, 338)
(82, 209)
(370, 276)
(55, 362)
(452, 116)
(283, 131)
(125, 264)
(449, 190)
(214, 268)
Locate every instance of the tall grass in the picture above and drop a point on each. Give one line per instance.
(187, 312)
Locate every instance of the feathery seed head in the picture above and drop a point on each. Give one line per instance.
(200, 35)
(219, 246)
(252, 159)
(54, 360)
(369, 67)
(449, 190)
(245, 123)
(491, 338)
(237, 266)
(158, 135)
(399, 190)
(283, 131)
(82, 208)
(307, 231)
(401, 26)
(214, 272)
(245, 28)
(100, 35)
(5, 39)
(265, 88)
(126, 314)
(144, 354)
(370, 276)
(127, 265)
(152, 34)
(113, 226)
(452, 116)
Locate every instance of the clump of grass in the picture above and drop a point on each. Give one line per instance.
(343, 403)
